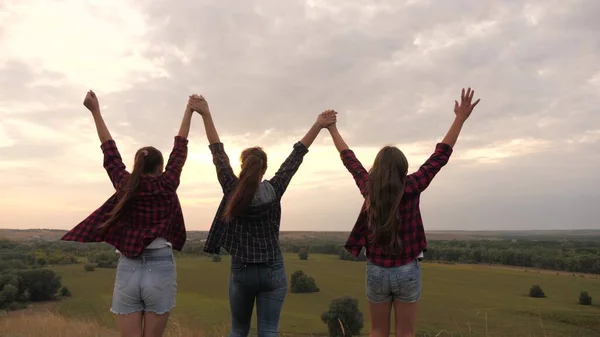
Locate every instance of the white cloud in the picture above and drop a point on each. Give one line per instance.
(495, 153)
(589, 137)
(392, 69)
(103, 41)
(5, 139)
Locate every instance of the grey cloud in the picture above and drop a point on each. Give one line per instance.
(275, 65)
(22, 85)
(263, 65)
(27, 150)
(554, 190)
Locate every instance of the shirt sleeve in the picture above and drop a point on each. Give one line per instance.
(354, 166)
(225, 174)
(113, 163)
(358, 237)
(286, 171)
(423, 177)
(176, 161)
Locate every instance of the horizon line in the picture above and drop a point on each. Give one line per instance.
(337, 231)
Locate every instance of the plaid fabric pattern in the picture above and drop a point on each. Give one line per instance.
(252, 237)
(154, 212)
(411, 228)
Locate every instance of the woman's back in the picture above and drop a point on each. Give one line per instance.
(247, 226)
(142, 213)
(390, 227)
(252, 235)
(410, 231)
(144, 222)
(153, 200)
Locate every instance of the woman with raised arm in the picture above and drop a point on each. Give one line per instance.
(144, 222)
(247, 226)
(390, 226)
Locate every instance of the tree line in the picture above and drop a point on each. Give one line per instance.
(565, 255)
(25, 277)
(575, 256)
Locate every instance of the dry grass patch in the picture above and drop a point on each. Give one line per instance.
(28, 323)
(33, 324)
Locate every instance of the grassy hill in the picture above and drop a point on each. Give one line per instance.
(458, 300)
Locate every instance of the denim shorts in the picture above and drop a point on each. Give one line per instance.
(145, 283)
(402, 283)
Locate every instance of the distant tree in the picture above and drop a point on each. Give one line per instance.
(42, 284)
(4, 266)
(89, 267)
(12, 306)
(64, 292)
(107, 264)
(216, 258)
(302, 283)
(17, 264)
(41, 262)
(305, 284)
(585, 298)
(295, 276)
(68, 259)
(25, 296)
(8, 294)
(536, 292)
(303, 254)
(343, 318)
(105, 259)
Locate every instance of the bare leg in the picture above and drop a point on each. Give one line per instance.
(406, 318)
(155, 325)
(130, 325)
(380, 319)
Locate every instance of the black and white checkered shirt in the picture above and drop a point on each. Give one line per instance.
(252, 237)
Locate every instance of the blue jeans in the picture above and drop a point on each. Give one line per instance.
(264, 282)
(402, 283)
(145, 283)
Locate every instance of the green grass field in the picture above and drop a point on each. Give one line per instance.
(458, 300)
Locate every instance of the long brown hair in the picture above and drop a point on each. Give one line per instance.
(148, 160)
(254, 165)
(386, 188)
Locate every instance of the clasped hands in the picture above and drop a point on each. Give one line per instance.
(198, 104)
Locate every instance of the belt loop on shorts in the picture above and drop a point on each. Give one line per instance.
(143, 259)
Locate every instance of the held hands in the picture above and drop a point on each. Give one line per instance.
(327, 119)
(463, 111)
(91, 102)
(198, 104)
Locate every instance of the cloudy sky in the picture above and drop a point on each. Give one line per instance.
(527, 159)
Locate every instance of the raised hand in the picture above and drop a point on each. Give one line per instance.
(463, 111)
(199, 104)
(91, 102)
(327, 118)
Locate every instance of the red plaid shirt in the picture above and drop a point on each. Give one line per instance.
(411, 229)
(154, 212)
